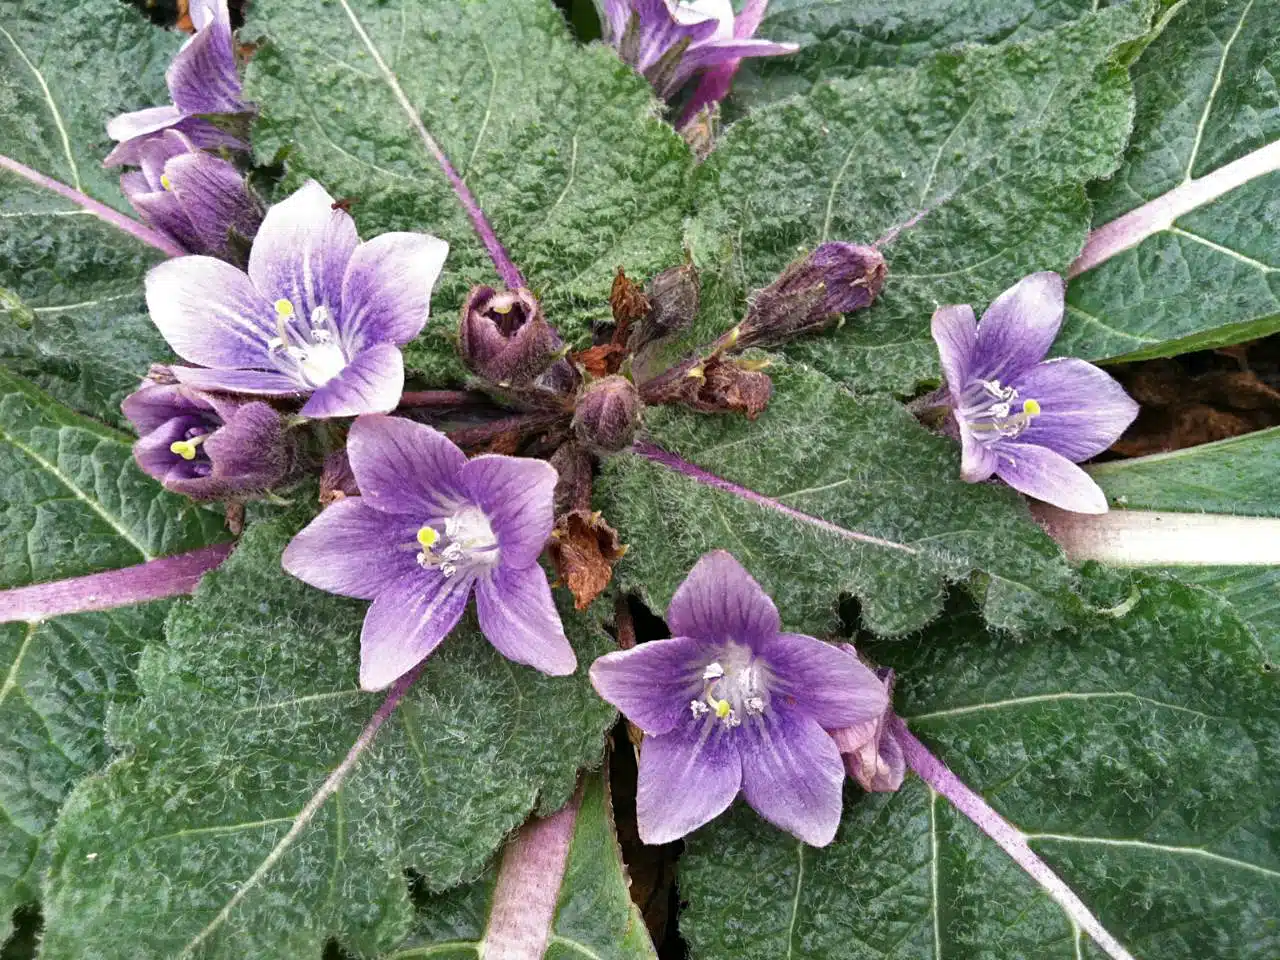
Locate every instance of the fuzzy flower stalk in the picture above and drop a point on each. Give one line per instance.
(669, 43)
(1025, 419)
(429, 529)
(318, 314)
(732, 704)
(202, 81)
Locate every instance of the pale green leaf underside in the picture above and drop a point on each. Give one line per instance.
(1139, 754)
(993, 146)
(862, 464)
(1207, 95)
(246, 710)
(561, 145)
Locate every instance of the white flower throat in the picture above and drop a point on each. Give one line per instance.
(735, 686)
(992, 415)
(309, 351)
(467, 543)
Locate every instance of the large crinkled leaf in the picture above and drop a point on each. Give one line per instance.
(71, 309)
(560, 144)
(1186, 254)
(591, 911)
(200, 836)
(1139, 755)
(985, 152)
(851, 495)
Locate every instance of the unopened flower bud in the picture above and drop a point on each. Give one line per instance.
(506, 340)
(673, 305)
(608, 414)
(811, 293)
(337, 479)
(872, 755)
(206, 446)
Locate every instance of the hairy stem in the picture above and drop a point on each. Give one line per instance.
(155, 580)
(1010, 839)
(1150, 538)
(517, 426)
(100, 210)
(444, 399)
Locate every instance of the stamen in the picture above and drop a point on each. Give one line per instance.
(699, 708)
(186, 449)
(165, 181)
(427, 537)
(755, 705)
(713, 672)
(1031, 408)
(284, 309)
(723, 709)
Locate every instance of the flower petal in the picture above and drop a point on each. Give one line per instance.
(792, 774)
(202, 77)
(828, 684)
(956, 333)
(386, 293)
(1041, 473)
(150, 407)
(653, 684)
(209, 312)
(405, 467)
(977, 459)
(302, 249)
(163, 211)
(720, 601)
(518, 616)
(202, 134)
(407, 622)
(687, 778)
(517, 494)
(214, 197)
(1019, 327)
(261, 383)
(371, 383)
(353, 550)
(1083, 410)
(139, 123)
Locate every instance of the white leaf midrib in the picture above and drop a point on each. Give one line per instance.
(53, 108)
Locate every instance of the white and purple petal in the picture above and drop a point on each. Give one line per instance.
(264, 383)
(1041, 473)
(517, 495)
(687, 778)
(1019, 328)
(210, 313)
(720, 601)
(406, 622)
(653, 683)
(371, 382)
(215, 199)
(1083, 410)
(827, 684)
(202, 77)
(955, 331)
(405, 467)
(386, 292)
(354, 550)
(518, 616)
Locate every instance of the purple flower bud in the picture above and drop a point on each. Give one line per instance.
(812, 293)
(731, 703)
(1025, 419)
(198, 200)
(608, 414)
(205, 446)
(505, 339)
(872, 755)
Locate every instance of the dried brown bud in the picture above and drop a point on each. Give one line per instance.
(715, 385)
(673, 305)
(608, 414)
(627, 301)
(583, 550)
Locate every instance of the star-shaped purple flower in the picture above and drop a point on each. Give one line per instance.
(318, 313)
(202, 80)
(429, 527)
(731, 703)
(668, 42)
(1025, 419)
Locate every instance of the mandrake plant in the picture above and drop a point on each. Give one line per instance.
(406, 407)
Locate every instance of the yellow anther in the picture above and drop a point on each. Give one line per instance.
(723, 709)
(428, 537)
(697, 373)
(186, 449)
(503, 308)
(284, 309)
(165, 181)
(732, 337)
(1031, 407)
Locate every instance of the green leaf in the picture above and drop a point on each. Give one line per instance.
(1139, 754)
(980, 156)
(593, 914)
(1187, 255)
(831, 465)
(72, 316)
(840, 38)
(560, 144)
(212, 832)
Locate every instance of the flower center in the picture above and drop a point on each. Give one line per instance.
(996, 412)
(467, 543)
(735, 685)
(310, 351)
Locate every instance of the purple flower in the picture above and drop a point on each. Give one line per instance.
(318, 313)
(1026, 419)
(669, 42)
(428, 528)
(205, 446)
(196, 199)
(202, 80)
(731, 703)
(872, 754)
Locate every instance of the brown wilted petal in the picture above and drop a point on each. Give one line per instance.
(583, 551)
(627, 301)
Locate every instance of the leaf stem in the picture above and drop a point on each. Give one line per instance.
(117, 219)
(1155, 538)
(444, 398)
(1009, 838)
(155, 580)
